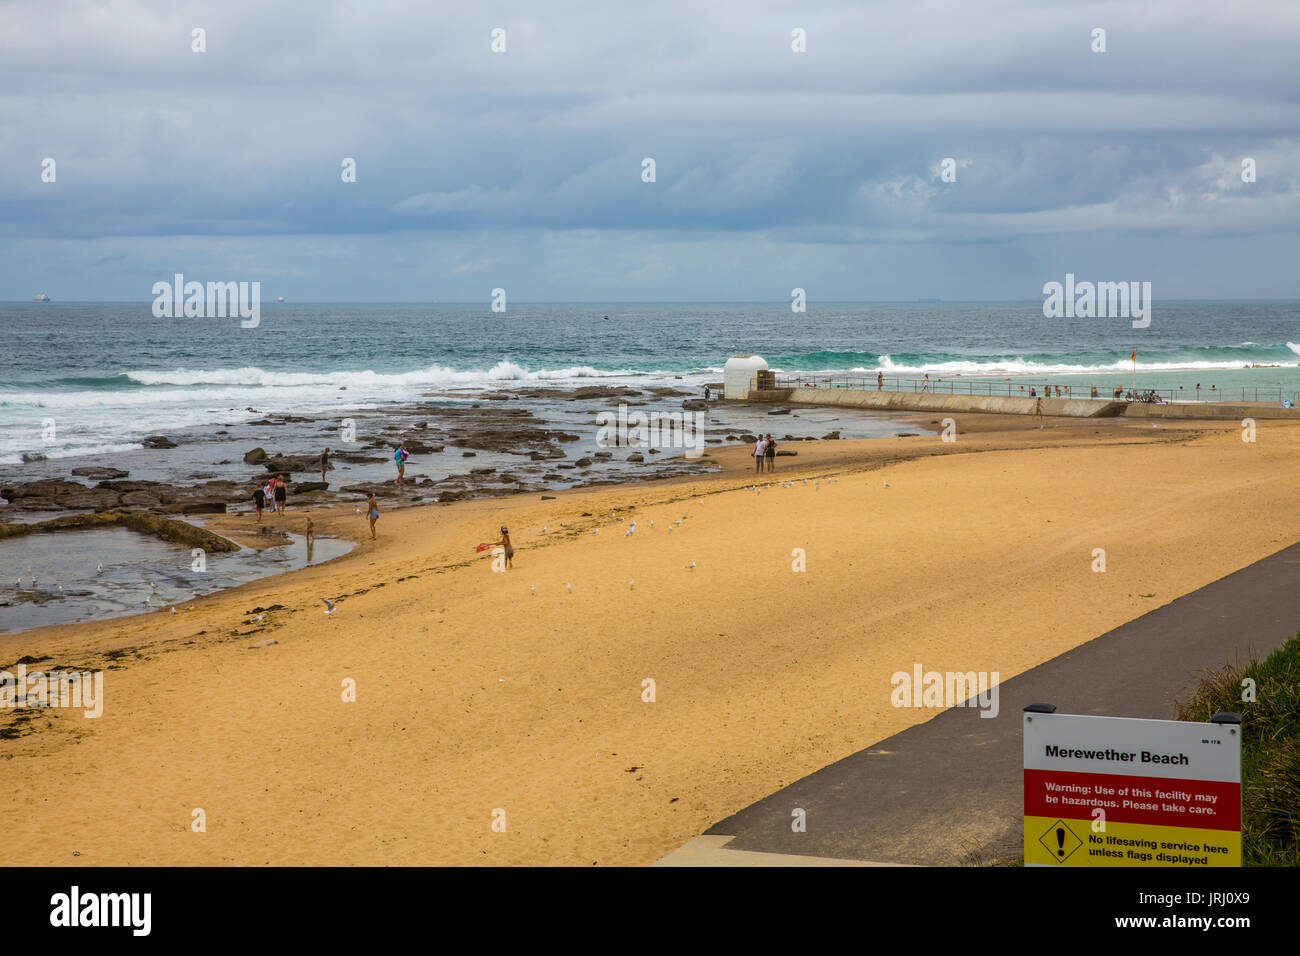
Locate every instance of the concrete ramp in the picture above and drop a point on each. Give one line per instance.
(1210, 411)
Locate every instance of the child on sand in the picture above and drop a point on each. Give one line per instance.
(1038, 411)
(505, 543)
(372, 512)
(259, 501)
(311, 534)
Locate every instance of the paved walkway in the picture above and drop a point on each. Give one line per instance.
(948, 792)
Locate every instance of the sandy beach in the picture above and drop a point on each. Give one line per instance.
(479, 691)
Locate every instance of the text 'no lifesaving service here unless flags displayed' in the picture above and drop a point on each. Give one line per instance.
(1117, 791)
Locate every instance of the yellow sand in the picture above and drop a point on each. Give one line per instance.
(475, 694)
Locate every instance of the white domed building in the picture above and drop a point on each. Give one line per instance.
(740, 376)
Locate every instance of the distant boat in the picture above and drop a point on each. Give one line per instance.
(280, 299)
(606, 318)
(42, 297)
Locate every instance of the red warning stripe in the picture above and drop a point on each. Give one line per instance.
(1158, 801)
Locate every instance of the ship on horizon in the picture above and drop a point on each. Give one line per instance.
(41, 297)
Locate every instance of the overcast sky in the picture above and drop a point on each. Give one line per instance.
(774, 169)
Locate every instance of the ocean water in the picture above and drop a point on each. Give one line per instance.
(82, 384)
(108, 374)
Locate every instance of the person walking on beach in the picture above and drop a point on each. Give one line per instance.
(505, 543)
(925, 386)
(281, 493)
(769, 453)
(399, 459)
(372, 512)
(259, 501)
(324, 462)
(311, 537)
(1038, 411)
(760, 449)
(880, 381)
(706, 393)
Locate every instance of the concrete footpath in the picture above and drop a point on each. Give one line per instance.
(948, 792)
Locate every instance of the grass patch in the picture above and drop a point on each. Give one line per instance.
(1270, 749)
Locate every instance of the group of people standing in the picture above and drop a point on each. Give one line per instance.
(276, 491)
(765, 453)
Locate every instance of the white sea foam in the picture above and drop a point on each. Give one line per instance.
(432, 376)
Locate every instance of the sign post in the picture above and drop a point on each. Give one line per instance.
(1117, 791)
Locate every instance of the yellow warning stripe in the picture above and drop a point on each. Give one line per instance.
(1053, 841)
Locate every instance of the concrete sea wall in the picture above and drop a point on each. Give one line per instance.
(1015, 404)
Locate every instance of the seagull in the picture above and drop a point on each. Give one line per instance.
(886, 484)
(100, 569)
(532, 589)
(256, 620)
(329, 605)
(652, 524)
(569, 588)
(543, 529)
(691, 565)
(631, 583)
(173, 610)
(627, 533)
(595, 530)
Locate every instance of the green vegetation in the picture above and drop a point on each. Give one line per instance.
(1270, 749)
